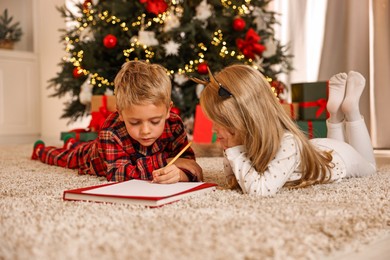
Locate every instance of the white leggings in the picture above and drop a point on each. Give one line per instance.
(352, 142)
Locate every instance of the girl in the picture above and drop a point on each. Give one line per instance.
(265, 150)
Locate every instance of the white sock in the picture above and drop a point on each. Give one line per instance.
(336, 97)
(355, 86)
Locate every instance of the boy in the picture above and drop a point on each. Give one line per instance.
(138, 140)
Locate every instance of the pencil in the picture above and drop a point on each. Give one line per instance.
(180, 153)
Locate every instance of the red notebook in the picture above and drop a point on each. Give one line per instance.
(139, 192)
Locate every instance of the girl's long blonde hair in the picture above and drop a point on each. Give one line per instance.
(256, 114)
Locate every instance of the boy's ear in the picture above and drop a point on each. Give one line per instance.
(169, 109)
(120, 114)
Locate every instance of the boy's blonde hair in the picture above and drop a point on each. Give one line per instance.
(255, 113)
(139, 82)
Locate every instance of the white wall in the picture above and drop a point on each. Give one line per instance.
(51, 50)
(306, 44)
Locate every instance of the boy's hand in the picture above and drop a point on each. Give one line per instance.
(190, 165)
(169, 174)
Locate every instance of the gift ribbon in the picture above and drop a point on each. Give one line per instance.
(320, 103)
(310, 129)
(291, 108)
(98, 117)
(77, 132)
(292, 112)
(250, 45)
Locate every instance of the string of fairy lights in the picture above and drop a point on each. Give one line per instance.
(89, 19)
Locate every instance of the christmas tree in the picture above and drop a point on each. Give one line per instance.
(185, 36)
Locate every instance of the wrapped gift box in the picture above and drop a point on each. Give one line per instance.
(101, 107)
(292, 109)
(97, 102)
(312, 98)
(203, 128)
(313, 129)
(79, 135)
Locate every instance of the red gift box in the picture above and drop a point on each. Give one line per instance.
(203, 127)
(101, 107)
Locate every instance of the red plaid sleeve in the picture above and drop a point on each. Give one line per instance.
(126, 159)
(124, 164)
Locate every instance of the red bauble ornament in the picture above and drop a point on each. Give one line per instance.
(175, 110)
(110, 41)
(239, 24)
(77, 72)
(86, 4)
(155, 6)
(202, 68)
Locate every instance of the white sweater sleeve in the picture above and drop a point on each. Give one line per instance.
(276, 175)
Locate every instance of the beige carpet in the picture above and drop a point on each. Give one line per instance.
(319, 222)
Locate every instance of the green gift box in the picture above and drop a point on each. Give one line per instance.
(313, 129)
(79, 136)
(312, 98)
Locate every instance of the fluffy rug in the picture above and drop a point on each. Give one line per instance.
(323, 221)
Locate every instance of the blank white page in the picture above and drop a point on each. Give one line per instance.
(140, 188)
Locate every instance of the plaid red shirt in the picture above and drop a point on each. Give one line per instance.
(119, 157)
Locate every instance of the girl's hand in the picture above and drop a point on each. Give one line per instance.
(230, 139)
(169, 174)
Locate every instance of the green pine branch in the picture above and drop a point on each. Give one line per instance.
(8, 30)
(86, 45)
